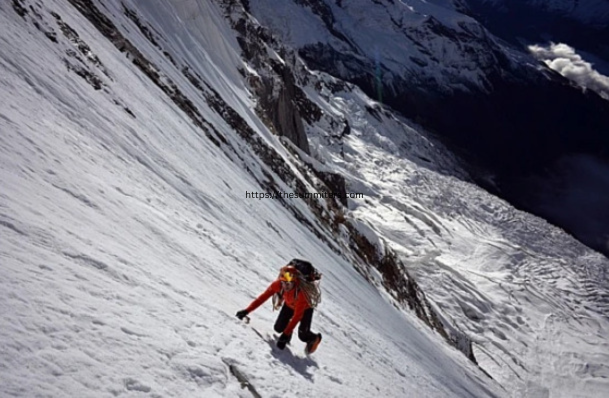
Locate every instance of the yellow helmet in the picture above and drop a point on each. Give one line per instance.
(288, 274)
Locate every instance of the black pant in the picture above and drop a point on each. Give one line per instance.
(304, 329)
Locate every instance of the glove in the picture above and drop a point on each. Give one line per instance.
(283, 340)
(242, 314)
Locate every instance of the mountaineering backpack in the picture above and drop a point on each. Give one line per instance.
(309, 278)
(306, 269)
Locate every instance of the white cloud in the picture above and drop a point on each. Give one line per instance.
(563, 59)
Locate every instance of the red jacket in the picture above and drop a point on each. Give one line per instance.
(295, 299)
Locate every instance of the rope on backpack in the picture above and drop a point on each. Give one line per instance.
(311, 290)
(277, 300)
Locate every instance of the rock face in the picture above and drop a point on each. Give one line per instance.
(274, 82)
(502, 110)
(284, 112)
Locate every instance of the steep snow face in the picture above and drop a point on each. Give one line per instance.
(128, 241)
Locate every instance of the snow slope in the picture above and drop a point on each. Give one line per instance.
(533, 299)
(128, 243)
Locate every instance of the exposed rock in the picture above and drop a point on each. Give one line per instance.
(405, 290)
(19, 8)
(279, 97)
(284, 112)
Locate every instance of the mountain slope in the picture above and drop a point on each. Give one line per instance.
(506, 113)
(128, 241)
(133, 133)
(510, 281)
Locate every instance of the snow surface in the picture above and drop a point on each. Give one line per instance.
(128, 244)
(533, 299)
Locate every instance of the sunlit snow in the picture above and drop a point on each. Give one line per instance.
(127, 242)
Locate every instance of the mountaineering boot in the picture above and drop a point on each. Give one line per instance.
(313, 344)
(283, 340)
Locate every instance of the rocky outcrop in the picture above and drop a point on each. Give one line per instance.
(405, 290)
(274, 83)
(283, 109)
